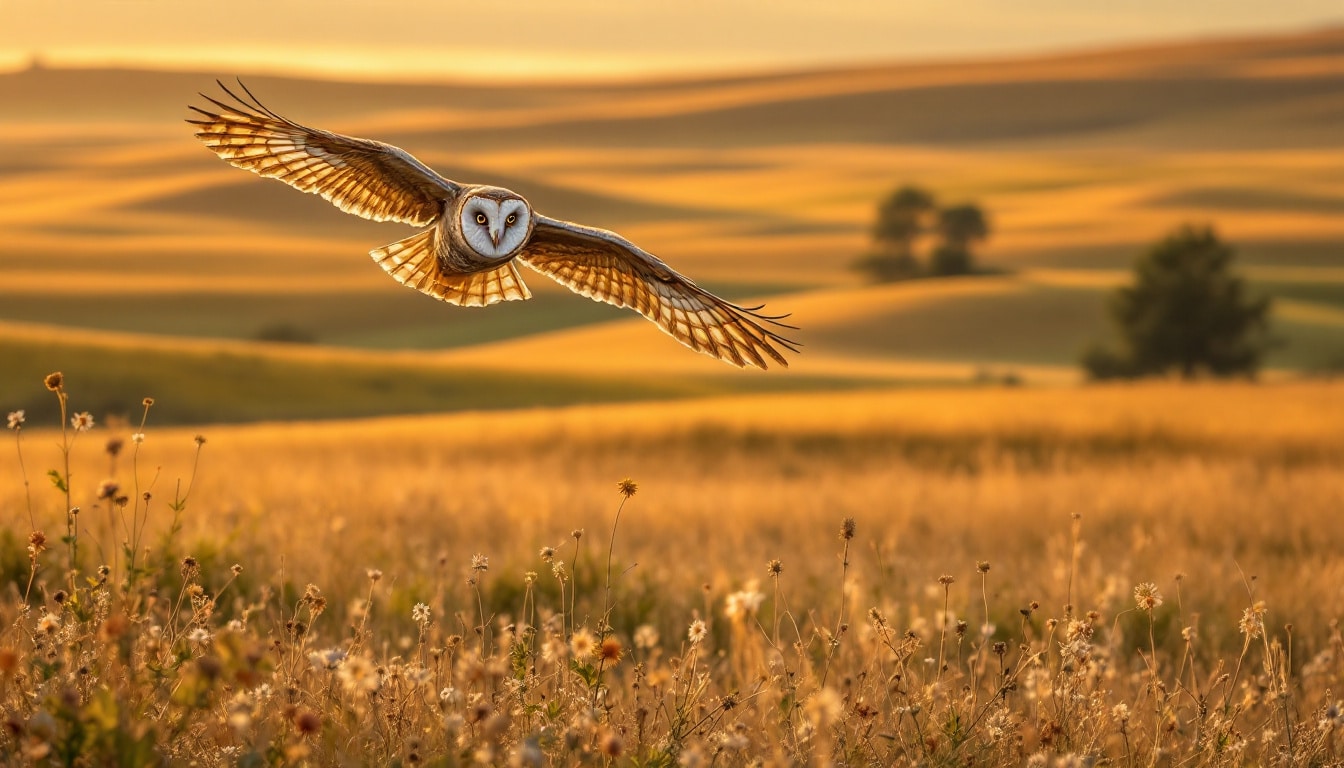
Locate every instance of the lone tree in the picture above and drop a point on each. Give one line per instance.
(901, 219)
(1187, 312)
(958, 226)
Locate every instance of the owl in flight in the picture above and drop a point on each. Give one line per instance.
(475, 237)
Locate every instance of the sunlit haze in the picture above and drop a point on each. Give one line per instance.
(434, 40)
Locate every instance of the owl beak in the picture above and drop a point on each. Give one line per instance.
(494, 233)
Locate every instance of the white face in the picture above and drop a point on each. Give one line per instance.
(495, 228)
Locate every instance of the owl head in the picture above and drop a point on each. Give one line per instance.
(495, 223)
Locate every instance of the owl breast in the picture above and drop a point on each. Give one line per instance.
(488, 226)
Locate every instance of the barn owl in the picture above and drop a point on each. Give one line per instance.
(475, 236)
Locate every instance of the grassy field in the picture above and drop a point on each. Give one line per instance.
(1223, 497)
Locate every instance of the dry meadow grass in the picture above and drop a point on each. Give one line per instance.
(990, 608)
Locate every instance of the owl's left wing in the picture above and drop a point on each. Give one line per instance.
(606, 267)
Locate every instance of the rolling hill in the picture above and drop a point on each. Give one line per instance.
(118, 226)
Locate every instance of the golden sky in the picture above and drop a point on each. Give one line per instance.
(437, 39)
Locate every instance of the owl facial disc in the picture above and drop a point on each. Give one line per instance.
(495, 226)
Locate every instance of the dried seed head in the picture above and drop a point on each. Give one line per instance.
(54, 381)
(114, 446)
(577, 533)
(946, 580)
(547, 554)
(774, 567)
(982, 566)
(1147, 597)
(148, 401)
(610, 650)
(847, 528)
(627, 487)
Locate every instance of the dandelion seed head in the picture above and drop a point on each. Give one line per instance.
(646, 636)
(582, 643)
(697, 631)
(48, 624)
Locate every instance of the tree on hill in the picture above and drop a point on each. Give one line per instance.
(958, 226)
(901, 219)
(1187, 312)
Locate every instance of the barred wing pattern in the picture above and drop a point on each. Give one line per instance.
(359, 176)
(606, 267)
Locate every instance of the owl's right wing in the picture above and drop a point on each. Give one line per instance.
(367, 178)
(606, 267)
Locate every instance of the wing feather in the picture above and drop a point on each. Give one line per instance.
(367, 178)
(606, 267)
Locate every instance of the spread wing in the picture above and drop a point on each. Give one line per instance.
(606, 267)
(367, 178)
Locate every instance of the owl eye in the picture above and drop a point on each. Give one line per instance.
(480, 218)
(512, 218)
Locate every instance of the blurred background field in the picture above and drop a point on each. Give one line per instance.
(122, 233)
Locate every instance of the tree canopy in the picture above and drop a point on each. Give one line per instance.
(1186, 312)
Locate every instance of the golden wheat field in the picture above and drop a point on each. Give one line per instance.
(1118, 575)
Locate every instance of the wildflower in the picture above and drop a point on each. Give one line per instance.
(48, 624)
(114, 446)
(235, 569)
(108, 489)
(824, 707)
(328, 659)
(420, 614)
(200, 440)
(358, 675)
(743, 603)
(547, 554)
(1120, 712)
(480, 562)
(982, 566)
(697, 632)
(1147, 597)
(582, 643)
(148, 401)
(54, 381)
(946, 580)
(610, 650)
(307, 722)
(82, 421)
(774, 568)
(847, 529)
(199, 635)
(611, 742)
(16, 419)
(627, 487)
(1252, 622)
(374, 574)
(138, 438)
(646, 636)
(558, 570)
